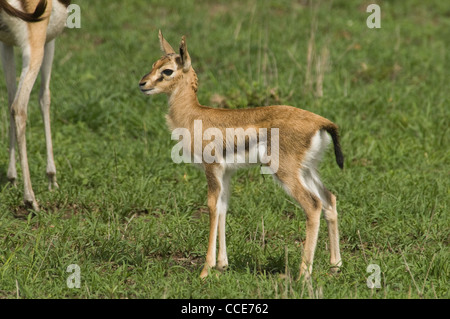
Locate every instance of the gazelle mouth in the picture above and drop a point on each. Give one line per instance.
(147, 91)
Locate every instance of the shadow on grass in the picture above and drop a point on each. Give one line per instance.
(271, 265)
(19, 211)
(3, 179)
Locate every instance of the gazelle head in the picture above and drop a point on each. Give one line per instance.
(168, 70)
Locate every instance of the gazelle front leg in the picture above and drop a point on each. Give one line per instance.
(31, 60)
(222, 206)
(214, 178)
(9, 66)
(44, 99)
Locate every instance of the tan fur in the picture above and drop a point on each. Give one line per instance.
(296, 130)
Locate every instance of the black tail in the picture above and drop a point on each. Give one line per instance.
(333, 131)
(29, 17)
(65, 2)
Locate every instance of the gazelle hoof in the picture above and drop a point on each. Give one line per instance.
(52, 184)
(33, 205)
(222, 267)
(204, 272)
(335, 270)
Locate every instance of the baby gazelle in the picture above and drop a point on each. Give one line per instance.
(294, 138)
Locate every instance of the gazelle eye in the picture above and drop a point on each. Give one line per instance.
(167, 72)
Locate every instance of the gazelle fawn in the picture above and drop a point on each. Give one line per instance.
(294, 138)
(31, 25)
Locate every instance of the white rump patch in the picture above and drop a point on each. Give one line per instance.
(309, 177)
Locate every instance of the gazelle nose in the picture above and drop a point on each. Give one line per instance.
(141, 84)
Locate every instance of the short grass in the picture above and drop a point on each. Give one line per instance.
(137, 224)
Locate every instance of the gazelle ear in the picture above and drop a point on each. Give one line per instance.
(166, 48)
(185, 58)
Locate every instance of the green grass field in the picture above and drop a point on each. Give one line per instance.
(137, 224)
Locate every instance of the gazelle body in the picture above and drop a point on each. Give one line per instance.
(35, 37)
(301, 140)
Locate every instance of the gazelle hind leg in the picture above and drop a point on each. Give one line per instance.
(310, 180)
(312, 206)
(44, 100)
(32, 56)
(331, 216)
(8, 62)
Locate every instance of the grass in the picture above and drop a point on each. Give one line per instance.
(137, 224)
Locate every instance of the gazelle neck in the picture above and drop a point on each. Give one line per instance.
(183, 101)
